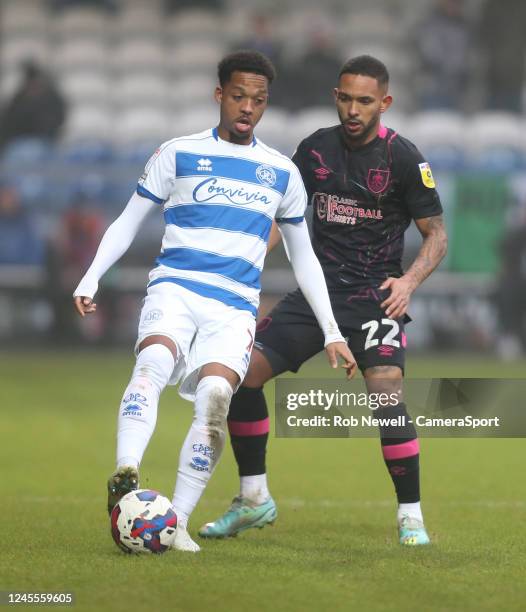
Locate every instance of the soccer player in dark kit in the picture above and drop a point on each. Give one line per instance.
(366, 183)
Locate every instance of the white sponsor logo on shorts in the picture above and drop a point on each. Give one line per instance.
(153, 315)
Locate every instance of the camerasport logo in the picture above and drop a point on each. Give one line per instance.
(334, 209)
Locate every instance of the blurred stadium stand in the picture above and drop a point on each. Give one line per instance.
(137, 76)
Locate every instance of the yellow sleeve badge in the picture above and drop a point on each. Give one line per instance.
(427, 175)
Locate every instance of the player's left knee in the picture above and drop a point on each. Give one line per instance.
(154, 367)
(384, 379)
(389, 372)
(259, 370)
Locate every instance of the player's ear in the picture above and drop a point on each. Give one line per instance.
(386, 103)
(218, 94)
(335, 93)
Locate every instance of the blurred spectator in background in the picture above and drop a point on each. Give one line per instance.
(502, 41)
(78, 234)
(310, 79)
(59, 5)
(19, 242)
(172, 6)
(81, 229)
(511, 292)
(261, 38)
(37, 109)
(442, 42)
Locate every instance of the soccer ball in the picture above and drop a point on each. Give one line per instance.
(143, 521)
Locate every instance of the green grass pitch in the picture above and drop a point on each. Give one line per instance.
(334, 546)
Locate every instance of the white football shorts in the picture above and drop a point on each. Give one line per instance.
(205, 331)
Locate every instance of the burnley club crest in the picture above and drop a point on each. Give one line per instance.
(378, 180)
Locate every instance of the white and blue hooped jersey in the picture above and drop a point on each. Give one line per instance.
(219, 200)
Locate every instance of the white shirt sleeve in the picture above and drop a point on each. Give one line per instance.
(115, 242)
(309, 274)
(292, 207)
(157, 181)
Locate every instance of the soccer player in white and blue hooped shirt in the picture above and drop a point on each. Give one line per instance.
(219, 190)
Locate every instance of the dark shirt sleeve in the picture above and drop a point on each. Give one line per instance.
(418, 186)
(300, 159)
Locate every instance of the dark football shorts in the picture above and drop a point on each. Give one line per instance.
(290, 335)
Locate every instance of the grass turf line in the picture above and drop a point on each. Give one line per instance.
(333, 547)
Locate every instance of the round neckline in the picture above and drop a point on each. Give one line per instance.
(215, 134)
(361, 148)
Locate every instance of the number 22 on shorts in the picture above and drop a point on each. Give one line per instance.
(388, 339)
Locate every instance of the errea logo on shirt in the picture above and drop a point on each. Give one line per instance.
(204, 165)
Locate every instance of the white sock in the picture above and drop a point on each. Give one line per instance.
(138, 409)
(254, 488)
(203, 444)
(412, 510)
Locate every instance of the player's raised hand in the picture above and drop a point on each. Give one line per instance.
(340, 350)
(397, 303)
(84, 305)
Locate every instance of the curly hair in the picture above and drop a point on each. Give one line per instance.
(245, 60)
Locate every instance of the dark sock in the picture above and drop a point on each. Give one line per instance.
(248, 424)
(401, 453)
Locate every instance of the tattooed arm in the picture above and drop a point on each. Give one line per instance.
(431, 253)
(433, 248)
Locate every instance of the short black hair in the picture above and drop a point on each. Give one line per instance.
(366, 65)
(245, 60)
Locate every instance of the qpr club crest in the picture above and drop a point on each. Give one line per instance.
(378, 180)
(266, 175)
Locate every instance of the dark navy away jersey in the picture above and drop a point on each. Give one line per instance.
(364, 200)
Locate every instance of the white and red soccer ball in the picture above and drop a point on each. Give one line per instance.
(143, 521)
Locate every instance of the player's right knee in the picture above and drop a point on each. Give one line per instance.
(154, 366)
(259, 371)
(161, 340)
